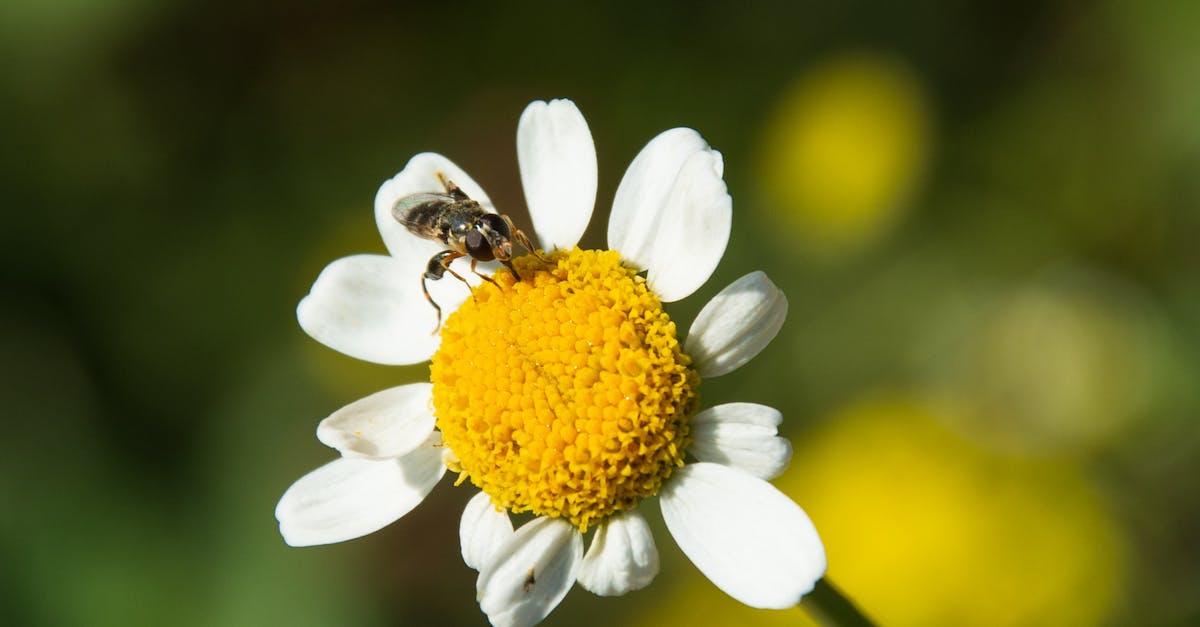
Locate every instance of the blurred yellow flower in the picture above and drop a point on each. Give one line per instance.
(1062, 365)
(923, 528)
(843, 151)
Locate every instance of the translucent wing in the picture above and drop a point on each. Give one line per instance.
(419, 213)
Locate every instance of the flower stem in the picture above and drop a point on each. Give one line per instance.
(828, 606)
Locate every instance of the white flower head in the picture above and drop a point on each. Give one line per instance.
(560, 388)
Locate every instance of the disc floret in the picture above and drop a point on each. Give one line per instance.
(566, 393)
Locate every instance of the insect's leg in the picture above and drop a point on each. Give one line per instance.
(511, 268)
(455, 191)
(522, 238)
(428, 297)
(482, 276)
(438, 265)
(443, 259)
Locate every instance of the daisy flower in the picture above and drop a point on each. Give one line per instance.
(564, 392)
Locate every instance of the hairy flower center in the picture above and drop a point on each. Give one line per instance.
(564, 394)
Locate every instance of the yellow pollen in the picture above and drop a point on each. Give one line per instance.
(565, 393)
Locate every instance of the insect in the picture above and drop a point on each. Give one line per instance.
(464, 227)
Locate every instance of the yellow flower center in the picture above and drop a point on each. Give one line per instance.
(565, 393)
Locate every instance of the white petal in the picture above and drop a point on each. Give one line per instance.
(672, 213)
(747, 537)
(482, 531)
(736, 324)
(742, 435)
(531, 573)
(558, 171)
(622, 557)
(633, 227)
(695, 229)
(419, 175)
(372, 307)
(348, 498)
(385, 424)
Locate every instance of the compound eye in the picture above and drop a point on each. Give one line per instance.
(496, 224)
(478, 247)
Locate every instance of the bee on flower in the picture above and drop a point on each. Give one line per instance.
(560, 388)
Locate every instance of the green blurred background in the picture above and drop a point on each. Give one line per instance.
(985, 217)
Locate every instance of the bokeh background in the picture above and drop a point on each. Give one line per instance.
(985, 217)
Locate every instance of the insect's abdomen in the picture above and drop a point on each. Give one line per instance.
(423, 219)
(423, 215)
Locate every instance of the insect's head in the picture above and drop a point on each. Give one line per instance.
(490, 239)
